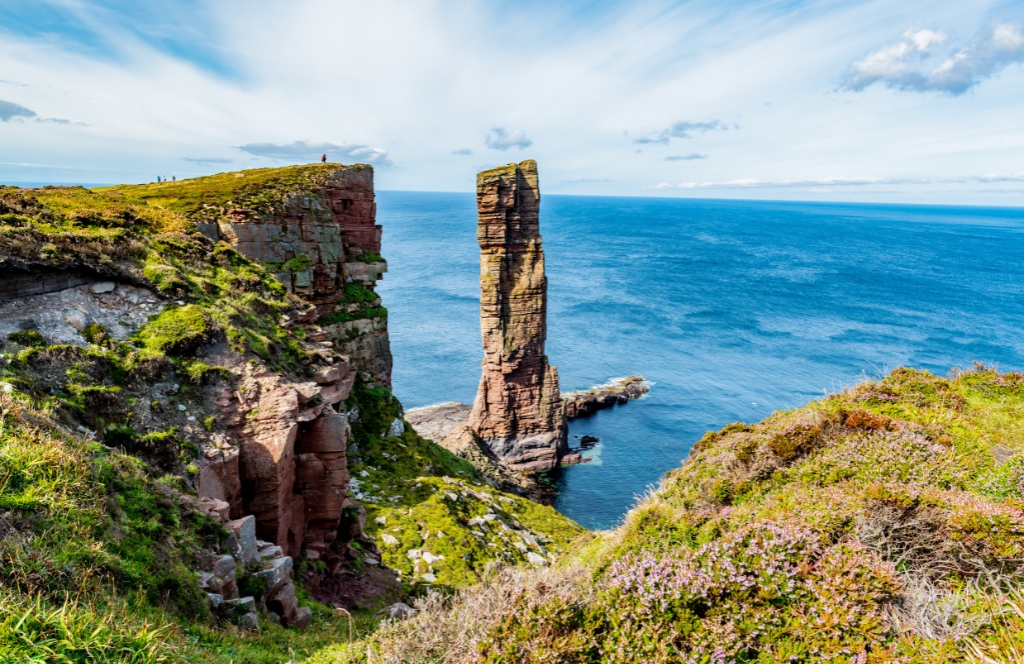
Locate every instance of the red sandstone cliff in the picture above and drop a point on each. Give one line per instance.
(518, 412)
(321, 241)
(289, 468)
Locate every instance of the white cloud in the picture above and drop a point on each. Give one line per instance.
(462, 151)
(579, 179)
(687, 157)
(746, 183)
(209, 160)
(900, 65)
(753, 183)
(10, 111)
(1000, 177)
(419, 80)
(500, 138)
(309, 151)
(681, 129)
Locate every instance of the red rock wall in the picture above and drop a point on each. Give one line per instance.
(518, 412)
(291, 463)
(290, 468)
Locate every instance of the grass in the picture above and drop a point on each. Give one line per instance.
(99, 533)
(262, 190)
(881, 524)
(97, 560)
(177, 331)
(424, 498)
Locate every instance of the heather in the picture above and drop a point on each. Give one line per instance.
(884, 523)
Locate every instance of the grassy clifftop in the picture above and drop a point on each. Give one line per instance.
(882, 524)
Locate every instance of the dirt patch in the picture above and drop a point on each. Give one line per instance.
(368, 587)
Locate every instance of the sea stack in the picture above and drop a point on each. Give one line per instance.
(518, 413)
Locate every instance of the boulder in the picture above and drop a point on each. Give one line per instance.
(224, 568)
(218, 478)
(271, 553)
(244, 530)
(77, 319)
(241, 612)
(397, 428)
(249, 622)
(400, 611)
(279, 571)
(218, 509)
(242, 605)
(327, 375)
(229, 589)
(103, 287)
(282, 602)
(303, 618)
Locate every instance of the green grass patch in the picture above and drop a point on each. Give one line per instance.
(177, 331)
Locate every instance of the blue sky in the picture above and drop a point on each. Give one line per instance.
(858, 101)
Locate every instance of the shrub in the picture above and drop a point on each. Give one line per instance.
(768, 592)
(167, 280)
(297, 264)
(97, 334)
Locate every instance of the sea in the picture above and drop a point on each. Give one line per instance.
(731, 309)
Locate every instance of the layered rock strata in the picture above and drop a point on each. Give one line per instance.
(289, 469)
(291, 461)
(316, 244)
(518, 412)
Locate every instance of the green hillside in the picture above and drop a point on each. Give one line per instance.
(882, 524)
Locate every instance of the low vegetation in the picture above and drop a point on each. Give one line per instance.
(882, 524)
(436, 521)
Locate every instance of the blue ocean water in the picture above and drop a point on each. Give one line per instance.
(732, 309)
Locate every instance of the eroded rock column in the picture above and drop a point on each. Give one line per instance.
(518, 413)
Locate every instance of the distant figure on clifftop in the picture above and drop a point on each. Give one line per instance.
(323, 160)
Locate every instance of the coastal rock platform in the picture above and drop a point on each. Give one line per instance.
(616, 391)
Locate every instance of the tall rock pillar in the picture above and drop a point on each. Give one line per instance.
(518, 413)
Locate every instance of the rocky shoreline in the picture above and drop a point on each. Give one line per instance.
(617, 391)
(444, 424)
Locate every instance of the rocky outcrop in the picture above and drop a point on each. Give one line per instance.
(263, 566)
(518, 413)
(436, 422)
(291, 461)
(316, 243)
(587, 402)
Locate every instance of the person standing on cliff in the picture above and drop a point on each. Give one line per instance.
(323, 160)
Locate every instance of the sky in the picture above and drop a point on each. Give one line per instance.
(874, 101)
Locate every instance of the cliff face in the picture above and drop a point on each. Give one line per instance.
(323, 246)
(518, 412)
(118, 273)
